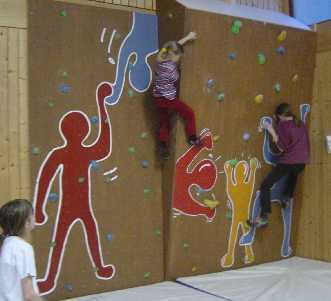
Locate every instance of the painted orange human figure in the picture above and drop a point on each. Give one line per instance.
(71, 162)
(203, 175)
(240, 182)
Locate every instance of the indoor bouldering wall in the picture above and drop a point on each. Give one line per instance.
(233, 76)
(97, 183)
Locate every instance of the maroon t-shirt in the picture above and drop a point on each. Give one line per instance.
(294, 142)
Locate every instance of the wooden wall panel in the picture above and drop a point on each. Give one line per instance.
(127, 204)
(14, 139)
(197, 246)
(313, 233)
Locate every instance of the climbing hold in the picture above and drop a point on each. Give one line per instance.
(131, 150)
(211, 156)
(130, 66)
(228, 214)
(144, 164)
(94, 165)
(233, 162)
(232, 56)
(194, 269)
(109, 237)
(246, 136)
(261, 58)
(216, 138)
(212, 204)
(147, 275)
(186, 245)
(63, 13)
(130, 93)
(143, 135)
(158, 232)
(53, 244)
(220, 96)
(81, 180)
(282, 36)
(64, 88)
(277, 87)
(210, 83)
(51, 103)
(295, 78)
(53, 197)
(117, 36)
(35, 150)
(170, 15)
(259, 98)
(147, 190)
(64, 74)
(94, 119)
(68, 287)
(236, 26)
(281, 50)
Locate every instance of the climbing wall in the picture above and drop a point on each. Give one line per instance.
(97, 183)
(233, 76)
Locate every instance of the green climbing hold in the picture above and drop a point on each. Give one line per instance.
(186, 245)
(277, 87)
(228, 214)
(131, 150)
(233, 162)
(147, 275)
(81, 180)
(51, 104)
(220, 96)
(130, 93)
(261, 58)
(236, 26)
(143, 135)
(147, 190)
(158, 232)
(63, 13)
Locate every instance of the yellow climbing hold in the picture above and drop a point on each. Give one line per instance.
(216, 138)
(194, 269)
(212, 204)
(259, 98)
(282, 36)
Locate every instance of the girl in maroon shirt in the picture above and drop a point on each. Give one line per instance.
(291, 137)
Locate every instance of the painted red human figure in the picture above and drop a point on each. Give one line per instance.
(203, 175)
(72, 163)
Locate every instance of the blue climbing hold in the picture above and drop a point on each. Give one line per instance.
(144, 164)
(94, 165)
(53, 197)
(281, 50)
(232, 56)
(109, 237)
(64, 88)
(94, 119)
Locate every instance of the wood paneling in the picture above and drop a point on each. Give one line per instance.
(14, 142)
(13, 13)
(313, 222)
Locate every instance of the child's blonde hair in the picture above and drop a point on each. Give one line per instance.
(164, 53)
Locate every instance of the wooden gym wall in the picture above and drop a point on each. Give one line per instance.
(14, 144)
(313, 240)
(112, 189)
(232, 79)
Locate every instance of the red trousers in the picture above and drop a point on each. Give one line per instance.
(165, 107)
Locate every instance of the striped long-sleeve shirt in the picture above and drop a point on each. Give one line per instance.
(166, 76)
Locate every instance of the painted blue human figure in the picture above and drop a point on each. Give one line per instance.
(141, 42)
(276, 192)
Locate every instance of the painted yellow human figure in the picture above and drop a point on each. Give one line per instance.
(240, 182)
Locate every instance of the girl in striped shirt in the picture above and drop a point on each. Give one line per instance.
(165, 93)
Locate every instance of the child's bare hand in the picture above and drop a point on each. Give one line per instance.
(192, 35)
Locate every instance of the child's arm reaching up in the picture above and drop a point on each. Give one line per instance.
(190, 37)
